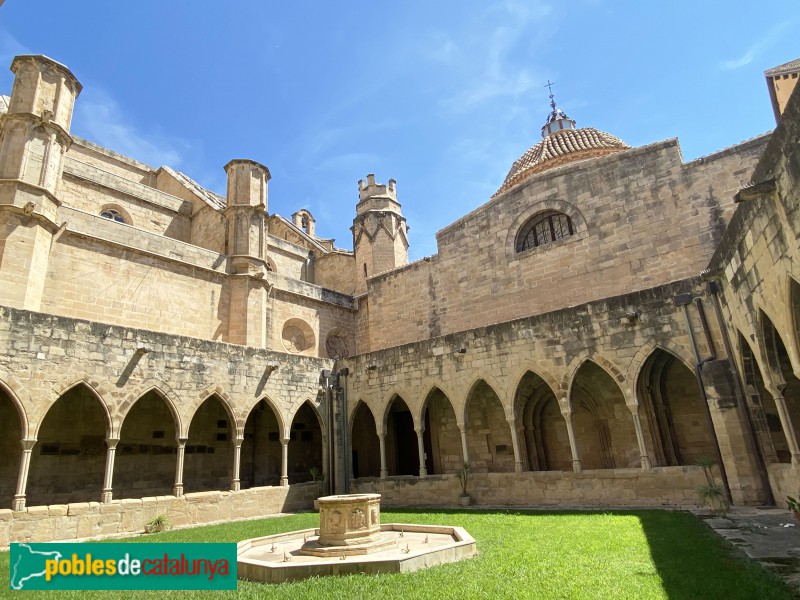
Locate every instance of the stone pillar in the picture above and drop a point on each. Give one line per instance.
(237, 459)
(382, 442)
(177, 489)
(573, 444)
(22, 480)
(284, 462)
(32, 147)
(788, 429)
(423, 470)
(512, 423)
(246, 217)
(637, 425)
(462, 428)
(111, 451)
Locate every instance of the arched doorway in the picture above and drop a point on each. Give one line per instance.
(675, 420)
(762, 410)
(781, 371)
(208, 459)
(489, 442)
(144, 464)
(366, 451)
(260, 461)
(10, 448)
(442, 438)
(305, 445)
(402, 450)
(602, 422)
(544, 429)
(68, 462)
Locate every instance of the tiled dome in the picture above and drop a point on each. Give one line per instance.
(562, 144)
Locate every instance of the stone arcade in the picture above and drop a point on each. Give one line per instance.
(161, 347)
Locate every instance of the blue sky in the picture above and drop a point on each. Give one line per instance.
(440, 95)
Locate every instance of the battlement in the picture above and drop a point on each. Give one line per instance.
(370, 189)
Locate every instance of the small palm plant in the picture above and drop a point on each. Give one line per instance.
(156, 524)
(794, 506)
(712, 493)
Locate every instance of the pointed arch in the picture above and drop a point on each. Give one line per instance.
(68, 463)
(793, 306)
(402, 449)
(208, 460)
(674, 422)
(648, 348)
(306, 447)
(159, 390)
(540, 371)
(12, 432)
(389, 398)
(543, 440)
(12, 394)
(485, 379)
(93, 387)
(145, 454)
(441, 437)
(260, 455)
(762, 410)
(601, 419)
(224, 398)
(489, 444)
(364, 442)
(608, 367)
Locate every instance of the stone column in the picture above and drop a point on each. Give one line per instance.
(462, 428)
(177, 489)
(512, 423)
(637, 425)
(284, 462)
(573, 444)
(237, 459)
(111, 451)
(788, 429)
(382, 442)
(22, 480)
(423, 471)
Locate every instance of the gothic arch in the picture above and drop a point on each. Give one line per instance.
(389, 398)
(494, 385)
(648, 348)
(15, 401)
(224, 398)
(147, 387)
(422, 401)
(70, 383)
(606, 365)
(542, 373)
(274, 407)
(364, 441)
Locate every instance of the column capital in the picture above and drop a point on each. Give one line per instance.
(28, 444)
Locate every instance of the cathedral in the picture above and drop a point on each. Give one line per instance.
(609, 321)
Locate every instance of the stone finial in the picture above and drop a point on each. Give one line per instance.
(370, 189)
(247, 183)
(44, 88)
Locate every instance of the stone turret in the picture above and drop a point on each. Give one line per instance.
(380, 233)
(34, 136)
(246, 216)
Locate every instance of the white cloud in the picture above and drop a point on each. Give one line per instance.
(757, 48)
(10, 47)
(99, 118)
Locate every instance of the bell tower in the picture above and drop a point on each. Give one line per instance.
(34, 136)
(380, 233)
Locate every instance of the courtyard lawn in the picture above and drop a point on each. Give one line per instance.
(635, 554)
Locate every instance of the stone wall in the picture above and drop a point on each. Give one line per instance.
(662, 486)
(86, 520)
(641, 218)
(592, 358)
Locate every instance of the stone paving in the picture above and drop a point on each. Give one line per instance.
(769, 535)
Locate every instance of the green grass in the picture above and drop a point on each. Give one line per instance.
(636, 554)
